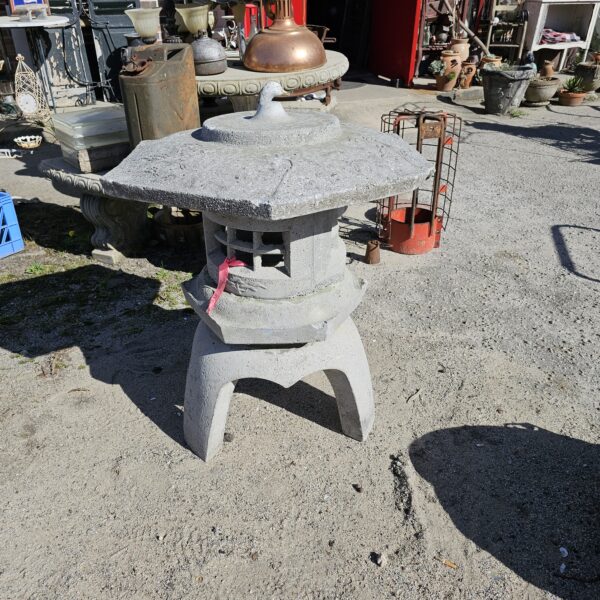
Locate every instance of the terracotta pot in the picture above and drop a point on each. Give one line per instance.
(540, 90)
(180, 232)
(494, 60)
(461, 45)
(452, 62)
(467, 73)
(595, 57)
(373, 254)
(571, 98)
(548, 69)
(443, 84)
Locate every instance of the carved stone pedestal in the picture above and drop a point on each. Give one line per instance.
(121, 226)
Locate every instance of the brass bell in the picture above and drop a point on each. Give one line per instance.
(285, 46)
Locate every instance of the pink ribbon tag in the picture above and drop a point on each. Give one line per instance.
(223, 275)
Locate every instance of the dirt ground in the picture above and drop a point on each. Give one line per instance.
(480, 480)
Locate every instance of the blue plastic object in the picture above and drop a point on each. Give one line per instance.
(11, 240)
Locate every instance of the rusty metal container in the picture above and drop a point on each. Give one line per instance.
(159, 91)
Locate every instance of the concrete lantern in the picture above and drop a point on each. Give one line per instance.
(272, 187)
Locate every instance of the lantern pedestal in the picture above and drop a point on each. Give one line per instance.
(215, 368)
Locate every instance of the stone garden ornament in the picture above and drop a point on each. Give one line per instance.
(275, 297)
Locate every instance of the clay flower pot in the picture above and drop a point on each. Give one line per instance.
(548, 69)
(540, 90)
(183, 230)
(493, 60)
(595, 56)
(443, 84)
(453, 65)
(460, 45)
(467, 73)
(570, 98)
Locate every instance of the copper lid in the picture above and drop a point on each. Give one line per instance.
(285, 46)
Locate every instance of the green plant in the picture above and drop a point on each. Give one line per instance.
(451, 76)
(517, 113)
(437, 67)
(36, 268)
(573, 85)
(504, 66)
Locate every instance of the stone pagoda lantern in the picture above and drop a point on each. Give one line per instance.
(275, 297)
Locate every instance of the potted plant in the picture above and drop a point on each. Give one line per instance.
(504, 87)
(572, 92)
(468, 70)
(460, 45)
(444, 81)
(490, 59)
(540, 90)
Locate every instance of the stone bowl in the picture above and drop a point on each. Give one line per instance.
(541, 90)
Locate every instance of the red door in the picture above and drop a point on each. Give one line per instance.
(394, 39)
(299, 7)
(299, 11)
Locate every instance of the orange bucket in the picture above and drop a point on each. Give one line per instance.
(424, 237)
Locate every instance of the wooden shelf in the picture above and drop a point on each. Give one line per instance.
(560, 46)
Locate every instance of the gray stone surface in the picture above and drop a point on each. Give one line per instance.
(296, 320)
(267, 109)
(238, 81)
(216, 367)
(69, 180)
(310, 254)
(287, 129)
(353, 164)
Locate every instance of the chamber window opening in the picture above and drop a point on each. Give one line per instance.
(274, 238)
(246, 257)
(272, 260)
(244, 236)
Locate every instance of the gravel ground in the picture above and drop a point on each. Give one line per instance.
(481, 478)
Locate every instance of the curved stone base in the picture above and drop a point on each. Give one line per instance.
(216, 367)
(300, 320)
(534, 104)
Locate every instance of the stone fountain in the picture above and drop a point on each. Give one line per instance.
(275, 297)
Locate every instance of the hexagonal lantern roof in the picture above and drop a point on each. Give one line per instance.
(270, 165)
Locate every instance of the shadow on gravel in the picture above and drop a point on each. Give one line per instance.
(584, 142)
(64, 228)
(127, 341)
(50, 225)
(565, 255)
(301, 399)
(529, 497)
(109, 315)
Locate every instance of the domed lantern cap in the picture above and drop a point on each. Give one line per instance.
(270, 165)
